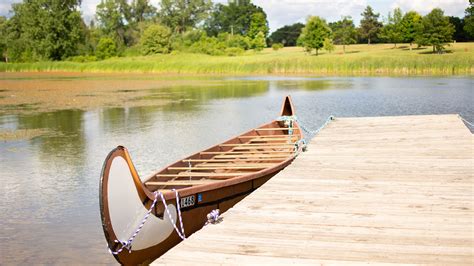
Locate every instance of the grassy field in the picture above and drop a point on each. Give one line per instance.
(362, 59)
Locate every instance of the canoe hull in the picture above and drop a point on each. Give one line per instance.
(194, 218)
(141, 219)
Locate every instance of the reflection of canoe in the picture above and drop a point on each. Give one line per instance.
(215, 178)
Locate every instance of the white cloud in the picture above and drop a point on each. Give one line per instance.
(284, 12)
(6, 6)
(450, 7)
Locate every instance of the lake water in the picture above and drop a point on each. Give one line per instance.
(49, 193)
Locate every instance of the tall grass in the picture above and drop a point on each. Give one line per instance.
(358, 60)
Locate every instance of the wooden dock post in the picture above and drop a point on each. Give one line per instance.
(378, 190)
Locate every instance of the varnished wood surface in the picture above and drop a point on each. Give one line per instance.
(378, 190)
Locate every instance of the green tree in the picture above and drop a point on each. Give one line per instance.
(344, 32)
(106, 48)
(45, 29)
(141, 10)
(287, 35)
(314, 33)
(435, 31)
(369, 25)
(3, 38)
(234, 18)
(469, 20)
(17, 47)
(329, 45)
(258, 43)
(111, 16)
(459, 34)
(392, 31)
(156, 39)
(180, 15)
(410, 26)
(258, 23)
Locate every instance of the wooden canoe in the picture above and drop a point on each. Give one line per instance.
(216, 178)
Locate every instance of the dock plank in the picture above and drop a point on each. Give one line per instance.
(385, 190)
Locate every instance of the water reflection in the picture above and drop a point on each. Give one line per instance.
(205, 92)
(311, 85)
(49, 191)
(65, 127)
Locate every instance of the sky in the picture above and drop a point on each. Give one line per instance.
(285, 12)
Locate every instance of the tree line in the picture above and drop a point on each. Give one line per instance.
(435, 29)
(55, 30)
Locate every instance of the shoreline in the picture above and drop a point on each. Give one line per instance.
(30, 92)
(359, 60)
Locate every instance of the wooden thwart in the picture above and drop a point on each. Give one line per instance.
(253, 160)
(217, 167)
(252, 156)
(258, 144)
(237, 164)
(245, 152)
(275, 128)
(262, 147)
(270, 141)
(181, 183)
(213, 174)
(267, 136)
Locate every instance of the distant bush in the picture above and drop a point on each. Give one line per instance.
(208, 45)
(106, 48)
(234, 51)
(329, 45)
(197, 41)
(156, 39)
(235, 40)
(135, 50)
(277, 46)
(82, 58)
(258, 43)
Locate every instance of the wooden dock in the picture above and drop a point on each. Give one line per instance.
(379, 190)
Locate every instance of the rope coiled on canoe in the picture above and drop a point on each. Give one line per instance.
(128, 244)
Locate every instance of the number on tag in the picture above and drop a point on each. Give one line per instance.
(187, 201)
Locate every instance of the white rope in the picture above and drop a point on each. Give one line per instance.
(301, 144)
(213, 217)
(128, 244)
(180, 234)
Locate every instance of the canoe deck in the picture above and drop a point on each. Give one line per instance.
(380, 190)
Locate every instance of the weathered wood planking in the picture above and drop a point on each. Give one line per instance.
(380, 190)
